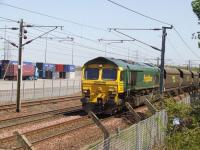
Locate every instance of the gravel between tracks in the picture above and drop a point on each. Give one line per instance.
(33, 126)
(38, 108)
(79, 138)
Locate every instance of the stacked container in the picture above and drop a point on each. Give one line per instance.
(0, 70)
(10, 69)
(70, 71)
(60, 71)
(28, 70)
(41, 72)
(49, 71)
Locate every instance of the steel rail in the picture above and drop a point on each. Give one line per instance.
(65, 132)
(15, 121)
(39, 102)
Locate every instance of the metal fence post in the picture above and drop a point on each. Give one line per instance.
(23, 141)
(134, 114)
(60, 87)
(150, 106)
(52, 88)
(157, 128)
(79, 85)
(43, 87)
(73, 86)
(67, 87)
(103, 129)
(34, 89)
(23, 89)
(12, 92)
(138, 136)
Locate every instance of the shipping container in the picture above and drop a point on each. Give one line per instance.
(62, 75)
(56, 75)
(13, 62)
(39, 65)
(10, 71)
(69, 68)
(49, 74)
(49, 67)
(41, 72)
(45, 70)
(59, 67)
(1, 71)
(36, 74)
(70, 75)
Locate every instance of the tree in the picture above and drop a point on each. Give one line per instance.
(196, 10)
(196, 7)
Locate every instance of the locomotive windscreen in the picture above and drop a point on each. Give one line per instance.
(109, 74)
(91, 73)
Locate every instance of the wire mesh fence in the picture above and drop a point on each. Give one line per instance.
(38, 89)
(141, 136)
(186, 100)
(195, 98)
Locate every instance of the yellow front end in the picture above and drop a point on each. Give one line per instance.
(101, 85)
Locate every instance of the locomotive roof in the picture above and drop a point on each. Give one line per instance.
(170, 70)
(185, 71)
(125, 64)
(195, 73)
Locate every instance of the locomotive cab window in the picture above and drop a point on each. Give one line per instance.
(91, 73)
(109, 74)
(122, 75)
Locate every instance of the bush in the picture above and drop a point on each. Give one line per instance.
(187, 137)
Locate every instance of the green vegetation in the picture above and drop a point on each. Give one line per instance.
(196, 10)
(186, 135)
(196, 7)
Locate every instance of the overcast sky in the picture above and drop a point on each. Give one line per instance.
(88, 20)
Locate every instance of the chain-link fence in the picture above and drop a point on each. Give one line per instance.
(141, 136)
(194, 98)
(186, 99)
(38, 89)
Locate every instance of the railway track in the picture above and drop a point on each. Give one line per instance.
(11, 122)
(49, 132)
(39, 102)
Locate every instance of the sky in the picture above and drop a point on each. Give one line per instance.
(89, 20)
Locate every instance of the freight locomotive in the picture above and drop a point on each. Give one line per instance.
(107, 83)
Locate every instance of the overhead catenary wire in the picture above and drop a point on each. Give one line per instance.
(8, 19)
(138, 40)
(101, 28)
(88, 39)
(141, 14)
(57, 18)
(91, 41)
(83, 37)
(172, 46)
(185, 43)
(89, 47)
(52, 17)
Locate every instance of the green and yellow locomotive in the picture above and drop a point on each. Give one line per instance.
(107, 83)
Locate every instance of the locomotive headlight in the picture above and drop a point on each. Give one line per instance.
(112, 90)
(86, 91)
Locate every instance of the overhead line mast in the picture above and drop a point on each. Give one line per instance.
(162, 50)
(22, 35)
